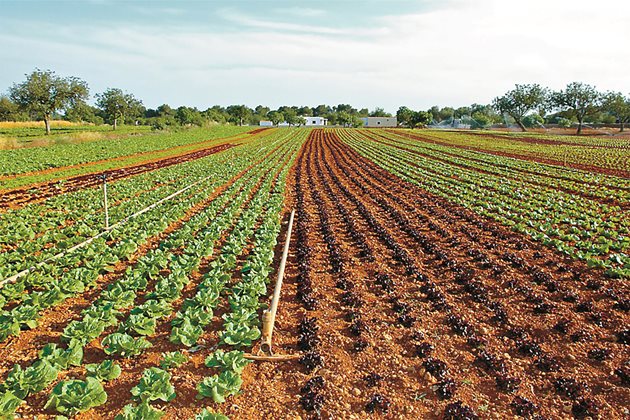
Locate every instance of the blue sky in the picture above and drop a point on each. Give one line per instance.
(368, 53)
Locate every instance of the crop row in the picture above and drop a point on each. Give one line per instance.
(55, 282)
(352, 298)
(582, 229)
(587, 184)
(37, 231)
(72, 274)
(600, 156)
(567, 291)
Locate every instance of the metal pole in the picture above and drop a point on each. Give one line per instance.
(104, 178)
(269, 316)
(24, 272)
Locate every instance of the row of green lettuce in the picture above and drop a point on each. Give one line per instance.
(554, 177)
(72, 274)
(607, 154)
(77, 271)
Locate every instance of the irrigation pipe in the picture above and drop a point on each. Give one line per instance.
(22, 273)
(269, 316)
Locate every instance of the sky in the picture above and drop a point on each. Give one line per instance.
(369, 53)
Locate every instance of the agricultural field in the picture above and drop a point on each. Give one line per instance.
(430, 274)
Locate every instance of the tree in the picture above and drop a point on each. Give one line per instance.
(356, 121)
(420, 118)
(332, 118)
(411, 118)
(321, 110)
(521, 100)
(344, 118)
(217, 114)
(579, 99)
(616, 104)
(44, 93)
(533, 120)
(275, 117)
(462, 111)
(305, 111)
(188, 116)
(8, 109)
(480, 120)
(345, 108)
(379, 112)
(117, 105)
(435, 113)
(404, 116)
(290, 116)
(82, 112)
(165, 110)
(445, 113)
(239, 113)
(262, 111)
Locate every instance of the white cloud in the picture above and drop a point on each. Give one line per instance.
(301, 11)
(246, 20)
(469, 52)
(157, 11)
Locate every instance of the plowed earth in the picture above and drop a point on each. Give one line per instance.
(387, 280)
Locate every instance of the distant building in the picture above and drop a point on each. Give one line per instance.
(380, 122)
(316, 120)
(310, 121)
(265, 124)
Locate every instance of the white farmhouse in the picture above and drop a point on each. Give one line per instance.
(380, 122)
(265, 124)
(309, 121)
(316, 120)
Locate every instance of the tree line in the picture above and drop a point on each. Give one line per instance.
(46, 96)
(576, 102)
(532, 105)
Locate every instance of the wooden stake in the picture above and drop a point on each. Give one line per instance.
(276, 358)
